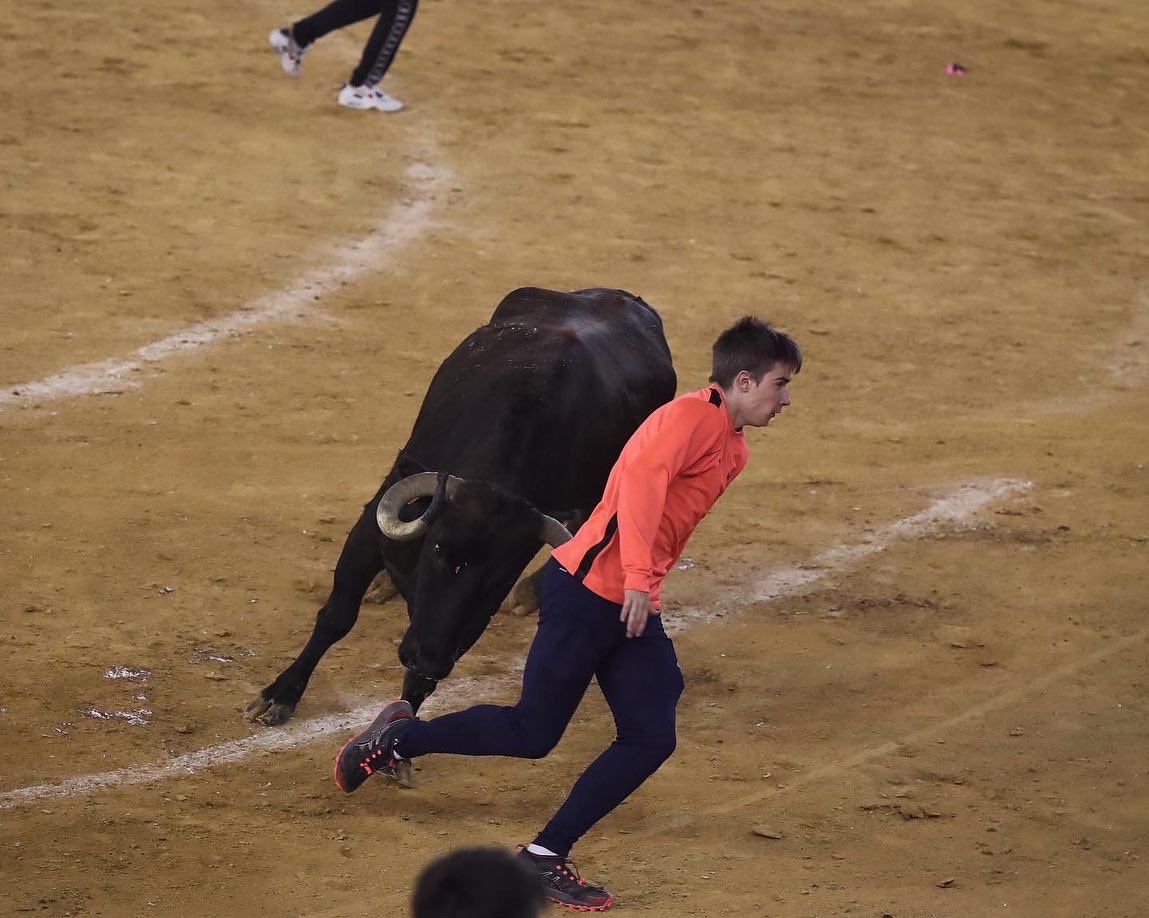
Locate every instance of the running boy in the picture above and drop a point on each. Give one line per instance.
(599, 610)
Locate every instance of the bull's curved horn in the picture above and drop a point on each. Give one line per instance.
(421, 484)
(552, 532)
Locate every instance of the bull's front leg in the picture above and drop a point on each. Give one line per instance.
(358, 564)
(417, 688)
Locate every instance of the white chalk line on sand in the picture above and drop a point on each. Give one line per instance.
(270, 740)
(954, 509)
(405, 221)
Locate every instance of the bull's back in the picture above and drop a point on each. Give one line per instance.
(542, 399)
(599, 344)
(592, 314)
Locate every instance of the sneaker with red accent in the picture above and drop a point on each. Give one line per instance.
(290, 53)
(563, 886)
(373, 750)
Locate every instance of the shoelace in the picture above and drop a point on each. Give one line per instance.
(568, 869)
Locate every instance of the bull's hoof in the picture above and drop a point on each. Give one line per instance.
(402, 773)
(263, 710)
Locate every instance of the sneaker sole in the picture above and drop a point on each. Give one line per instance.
(335, 766)
(403, 768)
(359, 105)
(583, 908)
(370, 108)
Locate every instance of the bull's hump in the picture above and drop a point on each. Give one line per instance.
(580, 310)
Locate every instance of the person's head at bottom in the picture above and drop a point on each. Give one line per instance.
(477, 883)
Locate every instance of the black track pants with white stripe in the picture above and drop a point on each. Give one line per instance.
(394, 19)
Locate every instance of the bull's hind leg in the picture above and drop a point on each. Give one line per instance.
(382, 588)
(358, 564)
(524, 598)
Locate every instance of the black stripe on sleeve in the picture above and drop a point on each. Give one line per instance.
(595, 550)
(715, 399)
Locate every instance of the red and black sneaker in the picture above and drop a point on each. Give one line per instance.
(563, 886)
(372, 750)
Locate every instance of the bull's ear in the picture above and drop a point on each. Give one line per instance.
(408, 466)
(552, 532)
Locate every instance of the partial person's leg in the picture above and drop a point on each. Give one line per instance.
(562, 659)
(334, 16)
(383, 43)
(642, 684)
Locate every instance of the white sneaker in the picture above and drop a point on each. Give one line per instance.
(368, 97)
(290, 54)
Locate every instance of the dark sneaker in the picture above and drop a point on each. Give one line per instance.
(564, 886)
(373, 749)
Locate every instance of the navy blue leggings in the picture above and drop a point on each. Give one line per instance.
(579, 636)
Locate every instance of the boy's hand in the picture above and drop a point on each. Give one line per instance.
(635, 611)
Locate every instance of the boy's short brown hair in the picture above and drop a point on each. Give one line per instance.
(752, 345)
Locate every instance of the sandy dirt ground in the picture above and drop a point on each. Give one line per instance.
(944, 720)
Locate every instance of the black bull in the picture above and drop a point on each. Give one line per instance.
(519, 429)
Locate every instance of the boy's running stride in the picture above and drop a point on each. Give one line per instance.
(599, 611)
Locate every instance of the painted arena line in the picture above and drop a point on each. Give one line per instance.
(953, 510)
(404, 222)
(266, 741)
(957, 508)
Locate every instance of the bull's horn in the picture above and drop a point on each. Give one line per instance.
(422, 484)
(552, 532)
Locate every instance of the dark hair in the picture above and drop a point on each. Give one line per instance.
(755, 346)
(477, 883)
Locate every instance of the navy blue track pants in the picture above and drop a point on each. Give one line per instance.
(579, 637)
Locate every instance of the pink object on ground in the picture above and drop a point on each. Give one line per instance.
(955, 70)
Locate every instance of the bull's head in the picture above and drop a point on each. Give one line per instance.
(476, 541)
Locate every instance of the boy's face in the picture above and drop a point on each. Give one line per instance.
(761, 401)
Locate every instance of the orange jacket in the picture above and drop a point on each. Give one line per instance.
(668, 476)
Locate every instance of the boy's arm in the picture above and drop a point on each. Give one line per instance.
(687, 431)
